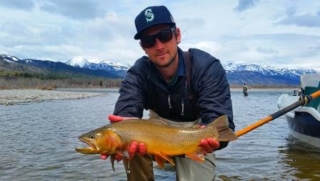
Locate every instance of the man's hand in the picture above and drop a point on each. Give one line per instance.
(209, 144)
(114, 118)
(134, 146)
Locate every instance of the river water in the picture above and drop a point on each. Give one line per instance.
(38, 140)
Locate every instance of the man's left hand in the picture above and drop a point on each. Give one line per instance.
(209, 144)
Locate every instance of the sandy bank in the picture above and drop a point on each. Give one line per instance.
(15, 96)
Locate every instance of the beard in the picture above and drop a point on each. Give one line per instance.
(168, 63)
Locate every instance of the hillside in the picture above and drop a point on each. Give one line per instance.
(13, 66)
(78, 67)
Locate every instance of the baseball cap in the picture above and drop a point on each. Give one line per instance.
(150, 16)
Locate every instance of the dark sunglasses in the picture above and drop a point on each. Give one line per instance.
(163, 36)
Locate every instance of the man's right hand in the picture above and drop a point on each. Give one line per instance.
(135, 147)
(115, 119)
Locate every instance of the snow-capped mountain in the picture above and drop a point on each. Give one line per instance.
(118, 68)
(9, 59)
(237, 73)
(78, 61)
(115, 67)
(265, 70)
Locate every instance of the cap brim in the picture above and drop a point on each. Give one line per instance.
(137, 36)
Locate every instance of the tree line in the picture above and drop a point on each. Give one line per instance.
(49, 84)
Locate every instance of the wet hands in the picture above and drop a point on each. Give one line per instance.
(114, 119)
(134, 147)
(209, 144)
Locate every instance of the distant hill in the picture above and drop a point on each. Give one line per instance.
(113, 67)
(237, 73)
(46, 67)
(254, 74)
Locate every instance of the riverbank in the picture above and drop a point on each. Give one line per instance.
(18, 96)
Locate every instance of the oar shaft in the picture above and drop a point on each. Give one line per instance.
(315, 95)
(253, 126)
(276, 114)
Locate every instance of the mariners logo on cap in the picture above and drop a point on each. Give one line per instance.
(149, 15)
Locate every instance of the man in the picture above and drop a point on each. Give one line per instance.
(245, 90)
(182, 89)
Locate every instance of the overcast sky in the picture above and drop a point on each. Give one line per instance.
(279, 33)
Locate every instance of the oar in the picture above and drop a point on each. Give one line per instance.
(278, 113)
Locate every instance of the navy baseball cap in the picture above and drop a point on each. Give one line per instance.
(151, 16)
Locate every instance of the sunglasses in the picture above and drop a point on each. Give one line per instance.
(163, 36)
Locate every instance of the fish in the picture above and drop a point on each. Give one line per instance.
(162, 141)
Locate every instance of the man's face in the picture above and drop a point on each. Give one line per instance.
(164, 50)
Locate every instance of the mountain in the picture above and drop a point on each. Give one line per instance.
(114, 67)
(237, 73)
(48, 68)
(78, 61)
(254, 74)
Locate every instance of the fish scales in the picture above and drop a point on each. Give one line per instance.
(162, 141)
(152, 133)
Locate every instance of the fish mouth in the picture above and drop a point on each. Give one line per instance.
(91, 149)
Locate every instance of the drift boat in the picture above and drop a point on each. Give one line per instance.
(304, 121)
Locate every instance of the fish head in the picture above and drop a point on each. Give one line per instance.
(100, 141)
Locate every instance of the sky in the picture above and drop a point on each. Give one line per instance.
(275, 33)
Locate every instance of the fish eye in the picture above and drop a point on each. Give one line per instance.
(91, 135)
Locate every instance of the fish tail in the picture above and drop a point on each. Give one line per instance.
(224, 131)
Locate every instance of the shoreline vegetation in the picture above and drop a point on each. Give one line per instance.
(52, 84)
(25, 90)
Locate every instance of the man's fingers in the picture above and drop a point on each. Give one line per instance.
(104, 156)
(133, 148)
(215, 144)
(118, 157)
(114, 118)
(204, 144)
(142, 149)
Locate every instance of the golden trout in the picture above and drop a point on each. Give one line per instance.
(161, 140)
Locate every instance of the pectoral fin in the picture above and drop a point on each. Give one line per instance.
(123, 153)
(112, 158)
(161, 158)
(196, 156)
(160, 161)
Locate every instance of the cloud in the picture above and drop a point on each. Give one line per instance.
(267, 50)
(250, 31)
(18, 4)
(245, 5)
(305, 20)
(79, 9)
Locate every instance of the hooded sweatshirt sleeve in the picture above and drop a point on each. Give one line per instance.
(212, 87)
(132, 91)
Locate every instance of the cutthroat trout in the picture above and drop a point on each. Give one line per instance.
(161, 140)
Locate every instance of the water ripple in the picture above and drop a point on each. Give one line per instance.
(38, 141)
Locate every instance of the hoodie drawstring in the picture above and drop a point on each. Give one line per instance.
(169, 101)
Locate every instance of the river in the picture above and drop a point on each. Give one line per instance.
(38, 141)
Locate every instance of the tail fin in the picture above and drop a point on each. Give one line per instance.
(222, 126)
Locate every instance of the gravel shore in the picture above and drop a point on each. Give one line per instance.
(17, 96)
